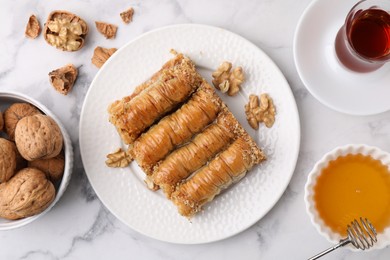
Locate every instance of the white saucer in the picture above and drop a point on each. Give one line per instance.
(326, 79)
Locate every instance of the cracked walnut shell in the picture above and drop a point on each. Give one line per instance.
(101, 55)
(7, 160)
(53, 167)
(108, 30)
(65, 31)
(33, 29)
(38, 137)
(28, 193)
(63, 79)
(15, 113)
(127, 16)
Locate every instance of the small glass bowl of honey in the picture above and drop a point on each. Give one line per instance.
(350, 182)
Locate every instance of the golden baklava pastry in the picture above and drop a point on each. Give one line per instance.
(183, 136)
(177, 128)
(187, 159)
(166, 90)
(226, 168)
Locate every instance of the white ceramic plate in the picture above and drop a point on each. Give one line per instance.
(122, 190)
(6, 99)
(326, 79)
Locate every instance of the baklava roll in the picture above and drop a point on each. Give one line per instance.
(226, 168)
(177, 166)
(176, 128)
(132, 116)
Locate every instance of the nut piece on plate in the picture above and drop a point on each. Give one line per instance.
(65, 31)
(101, 55)
(118, 159)
(260, 112)
(226, 80)
(236, 78)
(33, 29)
(250, 116)
(7, 160)
(221, 76)
(108, 30)
(53, 167)
(63, 79)
(16, 112)
(28, 193)
(127, 16)
(38, 137)
(1, 121)
(266, 112)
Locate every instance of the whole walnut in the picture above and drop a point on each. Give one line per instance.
(28, 193)
(1, 121)
(16, 112)
(38, 137)
(7, 160)
(53, 167)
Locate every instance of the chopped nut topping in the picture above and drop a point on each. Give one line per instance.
(150, 184)
(33, 29)
(226, 80)
(65, 31)
(63, 79)
(264, 112)
(101, 55)
(118, 159)
(127, 16)
(108, 30)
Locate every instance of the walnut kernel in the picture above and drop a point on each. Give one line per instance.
(236, 78)
(221, 76)
(249, 108)
(127, 16)
(108, 30)
(101, 55)
(63, 79)
(65, 31)
(33, 29)
(119, 159)
(266, 111)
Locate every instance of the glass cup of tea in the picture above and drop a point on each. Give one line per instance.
(363, 42)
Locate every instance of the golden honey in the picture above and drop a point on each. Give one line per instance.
(352, 186)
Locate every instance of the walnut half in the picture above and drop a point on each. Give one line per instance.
(226, 80)
(118, 159)
(65, 31)
(260, 112)
(33, 28)
(101, 55)
(63, 79)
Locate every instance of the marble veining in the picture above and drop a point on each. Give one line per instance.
(79, 226)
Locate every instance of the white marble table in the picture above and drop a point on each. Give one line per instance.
(79, 226)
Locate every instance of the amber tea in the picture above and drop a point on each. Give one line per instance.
(363, 43)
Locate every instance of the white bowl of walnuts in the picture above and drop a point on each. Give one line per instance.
(36, 160)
